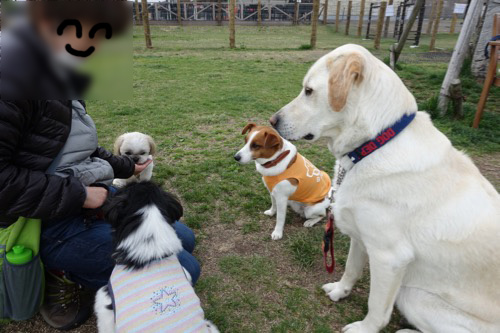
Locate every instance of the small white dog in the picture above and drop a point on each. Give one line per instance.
(417, 210)
(289, 177)
(148, 291)
(141, 148)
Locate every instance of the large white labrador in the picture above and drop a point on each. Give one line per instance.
(417, 209)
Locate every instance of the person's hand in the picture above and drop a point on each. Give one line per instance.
(95, 197)
(140, 167)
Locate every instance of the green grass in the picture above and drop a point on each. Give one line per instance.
(194, 95)
(199, 94)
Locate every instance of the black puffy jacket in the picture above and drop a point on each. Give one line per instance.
(31, 135)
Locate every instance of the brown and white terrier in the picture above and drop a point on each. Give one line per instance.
(289, 177)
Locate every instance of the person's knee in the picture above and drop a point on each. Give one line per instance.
(189, 262)
(186, 236)
(83, 253)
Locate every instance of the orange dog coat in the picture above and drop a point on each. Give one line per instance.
(313, 184)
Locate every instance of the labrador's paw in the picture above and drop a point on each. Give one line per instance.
(277, 234)
(357, 327)
(336, 291)
(270, 212)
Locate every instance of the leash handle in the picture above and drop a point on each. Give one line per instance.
(328, 244)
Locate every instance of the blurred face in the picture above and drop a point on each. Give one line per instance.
(72, 39)
(88, 46)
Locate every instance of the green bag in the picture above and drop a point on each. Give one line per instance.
(21, 286)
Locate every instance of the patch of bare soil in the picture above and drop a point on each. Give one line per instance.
(37, 325)
(489, 165)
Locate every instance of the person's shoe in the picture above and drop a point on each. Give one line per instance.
(66, 305)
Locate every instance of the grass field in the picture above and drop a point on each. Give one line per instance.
(194, 95)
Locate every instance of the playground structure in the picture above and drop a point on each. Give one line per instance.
(401, 18)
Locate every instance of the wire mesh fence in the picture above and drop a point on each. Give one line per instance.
(273, 11)
(275, 14)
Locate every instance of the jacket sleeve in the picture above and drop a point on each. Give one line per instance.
(123, 166)
(26, 192)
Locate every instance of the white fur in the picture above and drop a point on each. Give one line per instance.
(136, 145)
(284, 189)
(105, 317)
(154, 239)
(417, 209)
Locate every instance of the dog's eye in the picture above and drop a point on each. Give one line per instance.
(308, 91)
(128, 153)
(255, 146)
(142, 153)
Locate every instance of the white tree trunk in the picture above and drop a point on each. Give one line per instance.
(459, 53)
(479, 61)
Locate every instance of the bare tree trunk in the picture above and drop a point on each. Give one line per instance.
(296, 12)
(431, 18)
(380, 24)
(459, 53)
(179, 14)
(453, 23)
(457, 98)
(314, 23)
(325, 12)
(337, 17)
(232, 42)
(397, 48)
(436, 25)
(259, 13)
(137, 13)
(387, 21)
(361, 15)
(348, 23)
(145, 23)
(219, 12)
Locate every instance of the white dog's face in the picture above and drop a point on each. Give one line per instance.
(317, 110)
(137, 146)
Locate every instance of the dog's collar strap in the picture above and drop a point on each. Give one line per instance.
(280, 158)
(381, 139)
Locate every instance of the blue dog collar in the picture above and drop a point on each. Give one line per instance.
(381, 139)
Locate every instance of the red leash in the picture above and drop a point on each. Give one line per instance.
(330, 225)
(328, 243)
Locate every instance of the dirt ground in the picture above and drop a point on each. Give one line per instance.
(488, 164)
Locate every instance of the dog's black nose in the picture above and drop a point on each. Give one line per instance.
(237, 157)
(135, 159)
(274, 120)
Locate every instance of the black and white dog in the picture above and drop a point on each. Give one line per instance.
(149, 291)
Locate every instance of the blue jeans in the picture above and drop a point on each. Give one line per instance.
(83, 251)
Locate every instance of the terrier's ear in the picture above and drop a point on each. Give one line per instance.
(345, 71)
(152, 145)
(118, 144)
(248, 128)
(271, 140)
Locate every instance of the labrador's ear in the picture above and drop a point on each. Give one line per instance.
(152, 145)
(248, 128)
(271, 140)
(118, 144)
(345, 71)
